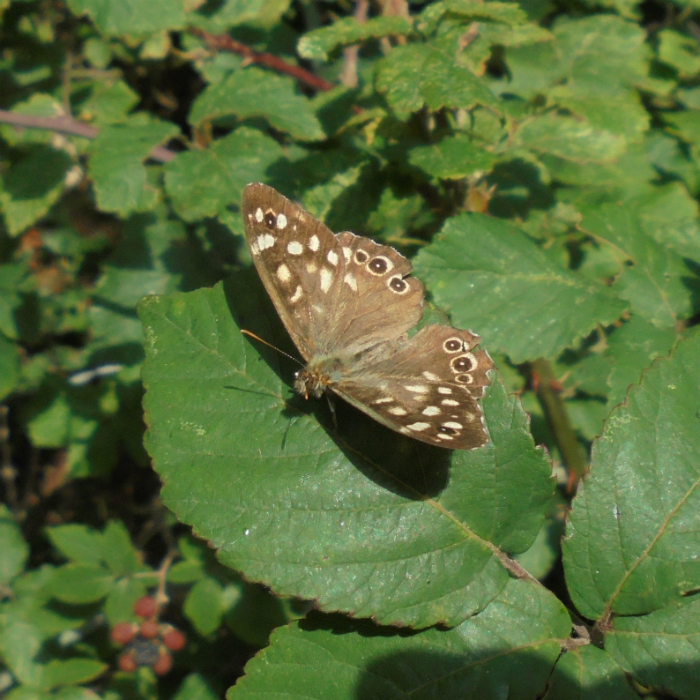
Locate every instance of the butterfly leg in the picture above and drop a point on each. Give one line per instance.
(331, 405)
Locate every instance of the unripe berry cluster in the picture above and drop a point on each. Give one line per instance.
(148, 643)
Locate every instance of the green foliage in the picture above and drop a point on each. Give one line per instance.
(539, 163)
(438, 564)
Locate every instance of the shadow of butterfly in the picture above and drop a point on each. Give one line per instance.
(347, 303)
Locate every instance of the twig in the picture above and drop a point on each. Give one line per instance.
(514, 566)
(61, 125)
(348, 76)
(223, 42)
(70, 126)
(571, 450)
(161, 596)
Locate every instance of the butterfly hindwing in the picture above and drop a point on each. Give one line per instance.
(427, 387)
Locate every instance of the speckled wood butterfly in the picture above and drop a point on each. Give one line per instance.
(347, 303)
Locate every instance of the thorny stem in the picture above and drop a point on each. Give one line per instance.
(70, 126)
(572, 452)
(223, 42)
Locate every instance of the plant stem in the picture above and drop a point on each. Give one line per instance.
(572, 451)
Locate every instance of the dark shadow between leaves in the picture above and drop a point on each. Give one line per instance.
(519, 189)
(406, 467)
(693, 283)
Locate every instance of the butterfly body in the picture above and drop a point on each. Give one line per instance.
(348, 303)
(319, 374)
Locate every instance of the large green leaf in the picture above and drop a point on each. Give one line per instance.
(32, 185)
(419, 74)
(79, 543)
(362, 519)
(118, 154)
(317, 44)
(254, 92)
(628, 350)
(453, 158)
(588, 672)
(496, 281)
(203, 182)
(484, 658)
(661, 649)
(81, 583)
(570, 139)
(131, 16)
(652, 278)
(631, 544)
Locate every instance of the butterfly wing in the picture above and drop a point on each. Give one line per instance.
(286, 242)
(347, 303)
(334, 294)
(426, 387)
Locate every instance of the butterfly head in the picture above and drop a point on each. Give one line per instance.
(318, 374)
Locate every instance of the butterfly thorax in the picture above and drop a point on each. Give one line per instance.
(319, 373)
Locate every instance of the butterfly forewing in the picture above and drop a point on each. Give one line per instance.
(347, 303)
(287, 245)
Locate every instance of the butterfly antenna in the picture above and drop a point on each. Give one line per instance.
(269, 345)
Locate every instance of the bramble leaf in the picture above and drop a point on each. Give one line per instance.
(364, 520)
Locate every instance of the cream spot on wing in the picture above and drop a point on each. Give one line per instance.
(384, 399)
(444, 390)
(283, 273)
(281, 221)
(449, 402)
(431, 411)
(350, 280)
(265, 241)
(254, 248)
(417, 388)
(418, 426)
(295, 248)
(332, 257)
(326, 279)
(431, 376)
(443, 436)
(397, 411)
(298, 293)
(314, 243)
(311, 268)
(259, 215)
(347, 254)
(453, 425)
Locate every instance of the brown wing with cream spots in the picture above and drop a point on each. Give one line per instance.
(297, 259)
(333, 293)
(426, 387)
(380, 300)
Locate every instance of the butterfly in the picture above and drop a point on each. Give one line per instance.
(347, 303)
